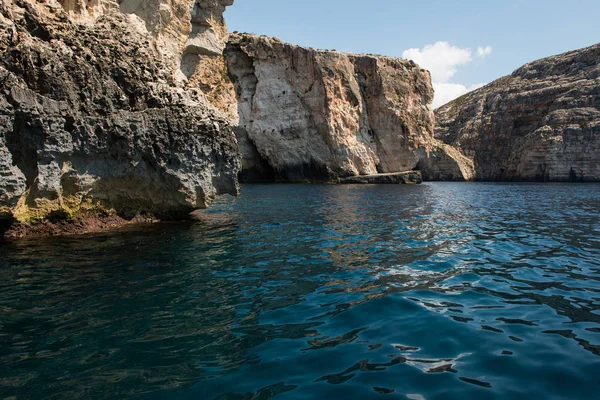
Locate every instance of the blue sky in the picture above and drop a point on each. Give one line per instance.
(517, 31)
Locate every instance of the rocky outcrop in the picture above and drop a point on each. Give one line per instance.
(541, 123)
(404, 178)
(95, 116)
(442, 162)
(191, 35)
(307, 114)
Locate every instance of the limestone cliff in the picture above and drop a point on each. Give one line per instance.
(96, 115)
(307, 114)
(540, 123)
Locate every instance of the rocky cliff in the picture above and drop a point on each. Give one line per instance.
(540, 123)
(307, 114)
(100, 113)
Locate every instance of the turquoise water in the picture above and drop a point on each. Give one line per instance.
(438, 291)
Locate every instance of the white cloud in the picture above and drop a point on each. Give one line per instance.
(443, 60)
(483, 52)
(446, 92)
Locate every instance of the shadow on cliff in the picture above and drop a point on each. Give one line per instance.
(6, 222)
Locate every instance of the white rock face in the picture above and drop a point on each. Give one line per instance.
(322, 115)
(87, 10)
(184, 30)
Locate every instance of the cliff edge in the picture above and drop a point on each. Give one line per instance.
(315, 115)
(541, 123)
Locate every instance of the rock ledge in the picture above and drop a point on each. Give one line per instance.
(407, 177)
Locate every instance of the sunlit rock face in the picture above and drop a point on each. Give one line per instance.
(96, 115)
(541, 123)
(190, 34)
(306, 114)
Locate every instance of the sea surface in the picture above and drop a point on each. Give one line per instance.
(437, 291)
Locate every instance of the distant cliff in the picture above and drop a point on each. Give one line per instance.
(314, 115)
(105, 108)
(541, 123)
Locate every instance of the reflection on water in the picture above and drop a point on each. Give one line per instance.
(295, 291)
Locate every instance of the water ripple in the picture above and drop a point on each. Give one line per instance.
(437, 291)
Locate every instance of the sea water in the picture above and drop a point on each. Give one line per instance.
(436, 291)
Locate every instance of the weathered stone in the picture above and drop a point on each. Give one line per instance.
(542, 123)
(444, 163)
(315, 115)
(407, 177)
(202, 61)
(94, 119)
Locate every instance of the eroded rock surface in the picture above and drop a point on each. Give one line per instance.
(307, 114)
(93, 116)
(404, 178)
(540, 123)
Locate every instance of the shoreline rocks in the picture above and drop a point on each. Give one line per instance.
(404, 178)
(126, 110)
(94, 119)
